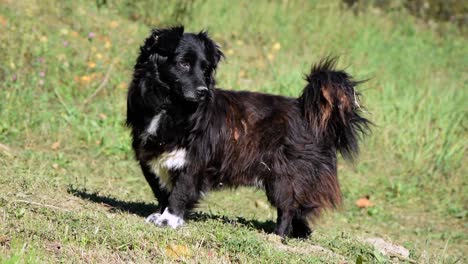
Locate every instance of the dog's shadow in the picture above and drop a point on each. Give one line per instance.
(144, 209)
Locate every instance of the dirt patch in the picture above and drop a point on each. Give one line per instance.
(304, 248)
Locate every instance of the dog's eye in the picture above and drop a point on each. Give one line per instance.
(185, 65)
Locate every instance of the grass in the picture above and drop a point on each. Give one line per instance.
(71, 192)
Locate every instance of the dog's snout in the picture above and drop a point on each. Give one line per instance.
(202, 91)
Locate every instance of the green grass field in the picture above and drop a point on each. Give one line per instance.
(70, 190)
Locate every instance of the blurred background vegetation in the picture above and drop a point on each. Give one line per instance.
(64, 73)
(453, 11)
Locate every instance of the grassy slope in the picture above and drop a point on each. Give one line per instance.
(411, 166)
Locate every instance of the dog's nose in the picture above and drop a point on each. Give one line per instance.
(202, 91)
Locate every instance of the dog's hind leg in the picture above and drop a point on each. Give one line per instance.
(283, 222)
(300, 227)
(281, 196)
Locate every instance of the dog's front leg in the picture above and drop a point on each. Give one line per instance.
(161, 194)
(183, 196)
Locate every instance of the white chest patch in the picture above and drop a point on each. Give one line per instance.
(165, 162)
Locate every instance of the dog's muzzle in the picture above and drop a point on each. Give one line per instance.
(202, 92)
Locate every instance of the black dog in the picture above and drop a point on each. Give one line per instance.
(190, 137)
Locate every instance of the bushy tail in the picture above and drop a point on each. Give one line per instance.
(330, 104)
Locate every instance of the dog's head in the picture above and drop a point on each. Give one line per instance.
(186, 62)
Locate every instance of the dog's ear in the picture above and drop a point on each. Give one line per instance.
(212, 49)
(164, 41)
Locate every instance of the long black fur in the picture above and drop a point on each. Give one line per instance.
(288, 146)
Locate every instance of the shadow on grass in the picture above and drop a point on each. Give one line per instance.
(265, 226)
(115, 205)
(144, 209)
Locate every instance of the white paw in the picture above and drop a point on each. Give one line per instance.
(151, 219)
(165, 219)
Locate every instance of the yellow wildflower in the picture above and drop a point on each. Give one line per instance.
(108, 44)
(123, 85)
(270, 56)
(276, 46)
(64, 31)
(85, 78)
(114, 24)
(61, 57)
